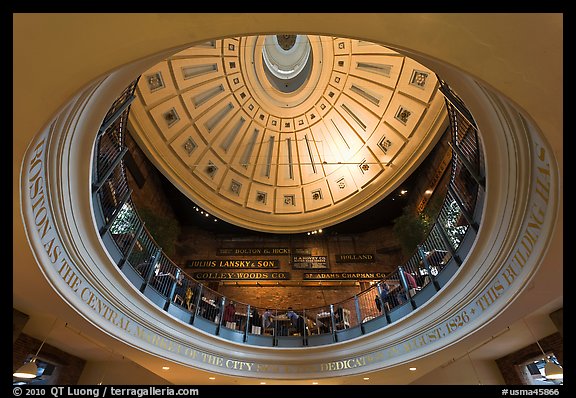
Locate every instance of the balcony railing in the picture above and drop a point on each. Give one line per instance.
(413, 283)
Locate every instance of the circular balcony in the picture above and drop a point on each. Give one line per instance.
(87, 275)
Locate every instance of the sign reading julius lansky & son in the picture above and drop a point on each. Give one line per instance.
(355, 258)
(330, 276)
(233, 264)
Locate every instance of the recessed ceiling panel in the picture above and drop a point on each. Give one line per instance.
(290, 159)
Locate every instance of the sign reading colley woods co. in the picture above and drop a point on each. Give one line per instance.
(233, 264)
(239, 276)
(355, 258)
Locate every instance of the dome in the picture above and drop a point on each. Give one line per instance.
(358, 120)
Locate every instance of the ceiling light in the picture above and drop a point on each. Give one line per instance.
(412, 369)
(27, 371)
(262, 382)
(314, 382)
(551, 370)
(30, 370)
(403, 192)
(165, 367)
(212, 378)
(366, 378)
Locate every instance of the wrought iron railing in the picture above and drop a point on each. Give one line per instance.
(413, 283)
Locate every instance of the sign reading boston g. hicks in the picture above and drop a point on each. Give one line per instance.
(355, 258)
(253, 251)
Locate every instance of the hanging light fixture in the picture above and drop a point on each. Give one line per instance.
(552, 371)
(30, 370)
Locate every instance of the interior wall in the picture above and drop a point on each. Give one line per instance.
(68, 367)
(195, 243)
(464, 371)
(123, 372)
(512, 366)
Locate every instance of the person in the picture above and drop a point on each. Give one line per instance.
(339, 314)
(378, 303)
(142, 268)
(339, 318)
(292, 316)
(229, 314)
(255, 317)
(296, 322)
(255, 321)
(382, 301)
(180, 290)
(385, 290)
(267, 319)
(188, 297)
(410, 280)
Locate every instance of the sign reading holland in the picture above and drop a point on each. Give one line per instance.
(355, 258)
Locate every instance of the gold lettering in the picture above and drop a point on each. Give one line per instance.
(36, 160)
(519, 258)
(392, 352)
(433, 335)
(212, 359)
(38, 201)
(140, 332)
(509, 274)
(124, 323)
(36, 187)
(498, 286)
(43, 223)
(541, 154)
(488, 298)
(191, 353)
(69, 276)
(408, 346)
(543, 189)
(112, 317)
(537, 215)
(91, 301)
(48, 247)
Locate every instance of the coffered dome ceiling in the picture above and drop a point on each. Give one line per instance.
(287, 133)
